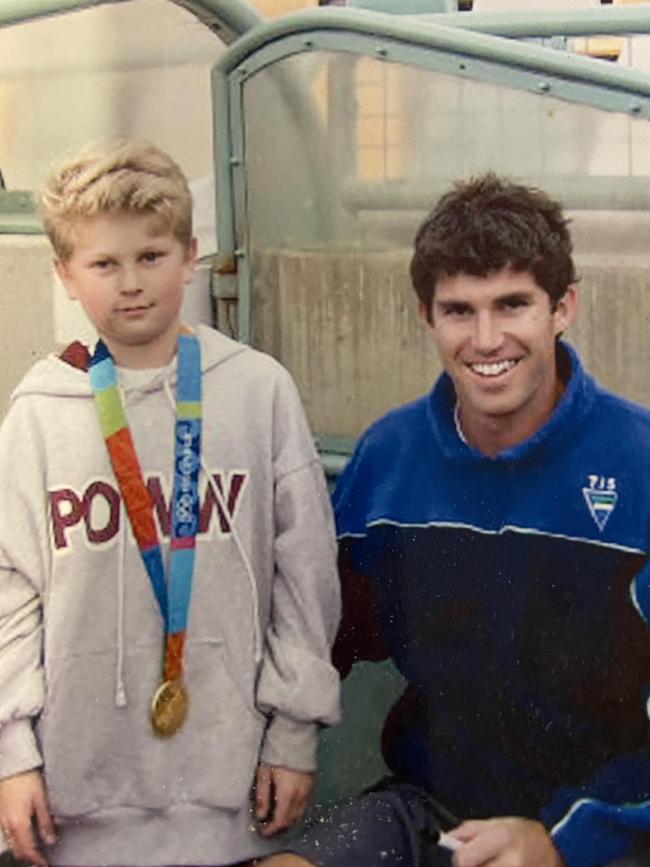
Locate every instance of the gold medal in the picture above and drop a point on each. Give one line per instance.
(169, 707)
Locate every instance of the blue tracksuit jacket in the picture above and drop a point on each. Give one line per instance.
(514, 596)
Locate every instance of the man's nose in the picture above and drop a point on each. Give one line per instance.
(488, 335)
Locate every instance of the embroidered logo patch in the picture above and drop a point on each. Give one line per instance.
(601, 497)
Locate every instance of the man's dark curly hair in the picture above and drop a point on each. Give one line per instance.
(487, 223)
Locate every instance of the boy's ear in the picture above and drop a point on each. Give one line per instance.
(63, 272)
(190, 260)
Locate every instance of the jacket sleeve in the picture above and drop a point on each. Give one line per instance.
(23, 554)
(360, 636)
(298, 686)
(603, 818)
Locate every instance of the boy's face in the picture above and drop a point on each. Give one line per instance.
(496, 338)
(129, 278)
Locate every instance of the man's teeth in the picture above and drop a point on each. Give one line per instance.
(494, 368)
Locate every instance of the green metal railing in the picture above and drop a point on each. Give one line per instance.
(228, 18)
(437, 33)
(405, 7)
(477, 46)
(420, 41)
(18, 213)
(597, 192)
(449, 43)
(600, 21)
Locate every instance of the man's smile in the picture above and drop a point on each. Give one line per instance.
(492, 368)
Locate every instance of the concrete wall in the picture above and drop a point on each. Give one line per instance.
(346, 325)
(26, 312)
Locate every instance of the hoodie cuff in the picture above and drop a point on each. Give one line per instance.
(18, 750)
(290, 744)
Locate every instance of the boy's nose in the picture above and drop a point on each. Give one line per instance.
(130, 281)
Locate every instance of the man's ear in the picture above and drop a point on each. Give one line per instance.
(566, 309)
(426, 313)
(63, 272)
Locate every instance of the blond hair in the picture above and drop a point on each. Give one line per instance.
(124, 177)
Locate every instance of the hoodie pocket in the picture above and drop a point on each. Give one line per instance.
(98, 755)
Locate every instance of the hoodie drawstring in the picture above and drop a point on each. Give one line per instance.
(120, 689)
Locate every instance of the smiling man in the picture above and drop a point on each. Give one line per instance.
(494, 539)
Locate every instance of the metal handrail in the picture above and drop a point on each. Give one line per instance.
(600, 21)
(577, 192)
(228, 18)
(427, 31)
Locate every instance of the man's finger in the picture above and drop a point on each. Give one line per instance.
(486, 845)
(468, 830)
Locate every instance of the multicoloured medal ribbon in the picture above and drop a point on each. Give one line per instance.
(170, 703)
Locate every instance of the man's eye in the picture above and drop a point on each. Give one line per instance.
(457, 311)
(514, 303)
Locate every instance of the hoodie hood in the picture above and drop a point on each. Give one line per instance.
(65, 374)
(570, 411)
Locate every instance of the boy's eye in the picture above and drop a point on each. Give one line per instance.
(101, 264)
(152, 255)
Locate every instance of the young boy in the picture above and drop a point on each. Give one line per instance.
(168, 593)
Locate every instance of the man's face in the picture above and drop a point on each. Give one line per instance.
(496, 338)
(129, 278)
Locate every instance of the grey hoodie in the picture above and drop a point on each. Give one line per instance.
(81, 636)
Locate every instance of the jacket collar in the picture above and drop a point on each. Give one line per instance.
(571, 409)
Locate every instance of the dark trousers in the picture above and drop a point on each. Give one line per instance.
(392, 826)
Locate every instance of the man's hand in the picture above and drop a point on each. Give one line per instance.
(505, 842)
(24, 809)
(281, 797)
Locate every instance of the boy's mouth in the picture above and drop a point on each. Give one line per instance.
(136, 308)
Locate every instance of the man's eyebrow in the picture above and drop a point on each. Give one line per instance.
(450, 304)
(515, 295)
